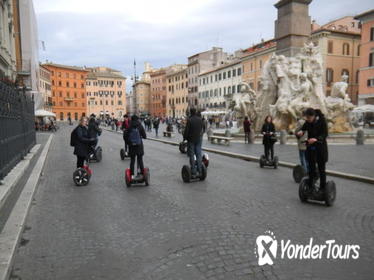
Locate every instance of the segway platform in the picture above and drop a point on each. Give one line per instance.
(328, 195)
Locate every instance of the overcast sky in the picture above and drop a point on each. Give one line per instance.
(114, 32)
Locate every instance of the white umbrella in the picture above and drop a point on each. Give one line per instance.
(44, 113)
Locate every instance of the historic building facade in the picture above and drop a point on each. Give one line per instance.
(366, 72)
(177, 92)
(68, 91)
(45, 88)
(200, 63)
(158, 93)
(339, 45)
(7, 41)
(142, 92)
(106, 92)
(217, 85)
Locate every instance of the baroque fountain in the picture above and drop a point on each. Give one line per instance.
(289, 85)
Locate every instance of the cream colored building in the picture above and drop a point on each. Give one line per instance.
(45, 87)
(142, 92)
(177, 92)
(106, 92)
(217, 85)
(7, 41)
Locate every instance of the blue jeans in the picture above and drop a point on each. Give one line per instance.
(194, 149)
(303, 161)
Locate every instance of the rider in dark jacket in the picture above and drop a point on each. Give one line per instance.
(268, 132)
(193, 133)
(317, 151)
(136, 151)
(82, 146)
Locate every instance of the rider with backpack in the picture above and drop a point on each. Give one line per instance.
(81, 141)
(135, 135)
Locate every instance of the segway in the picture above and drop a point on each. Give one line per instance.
(327, 195)
(82, 176)
(298, 173)
(271, 163)
(183, 147)
(187, 173)
(123, 154)
(138, 179)
(96, 155)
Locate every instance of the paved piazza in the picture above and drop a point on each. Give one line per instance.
(172, 230)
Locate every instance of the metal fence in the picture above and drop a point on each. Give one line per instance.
(17, 127)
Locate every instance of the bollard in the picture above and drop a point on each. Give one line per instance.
(283, 137)
(360, 137)
(252, 137)
(227, 133)
(209, 133)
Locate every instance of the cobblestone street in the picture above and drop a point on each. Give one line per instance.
(172, 230)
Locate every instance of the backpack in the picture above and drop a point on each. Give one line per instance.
(134, 137)
(74, 137)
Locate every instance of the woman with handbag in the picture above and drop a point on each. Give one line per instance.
(269, 137)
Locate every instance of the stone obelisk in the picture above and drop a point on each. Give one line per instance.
(293, 26)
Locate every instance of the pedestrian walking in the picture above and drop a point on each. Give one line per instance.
(247, 130)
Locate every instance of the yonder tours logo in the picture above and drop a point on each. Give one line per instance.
(267, 248)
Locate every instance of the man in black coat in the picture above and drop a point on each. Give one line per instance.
(316, 151)
(82, 146)
(135, 135)
(193, 133)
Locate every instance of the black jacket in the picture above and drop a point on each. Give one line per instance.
(138, 149)
(194, 129)
(319, 130)
(93, 129)
(269, 130)
(83, 142)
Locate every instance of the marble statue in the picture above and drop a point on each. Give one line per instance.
(243, 103)
(289, 85)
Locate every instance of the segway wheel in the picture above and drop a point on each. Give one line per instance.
(204, 172)
(186, 174)
(206, 160)
(298, 173)
(99, 154)
(275, 162)
(262, 161)
(182, 147)
(122, 154)
(303, 189)
(330, 193)
(146, 176)
(128, 177)
(81, 177)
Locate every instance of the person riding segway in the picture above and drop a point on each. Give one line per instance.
(135, 135)
(193, 133)
(125, 126)
(268, 140)
(95, 153)
(316, 154)
(81, 142)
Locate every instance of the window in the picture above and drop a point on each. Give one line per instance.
(372, 34)
(358, 50)
(219, 76)
(371, 59)
(345, 49)
(67, 84)
(239, 71)
(233, 89)
(330, 47)
(370, 83)
(357, 76)
(224, 75)
(329, 75)
(229, 74)
(59, 83)
(234, 72)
